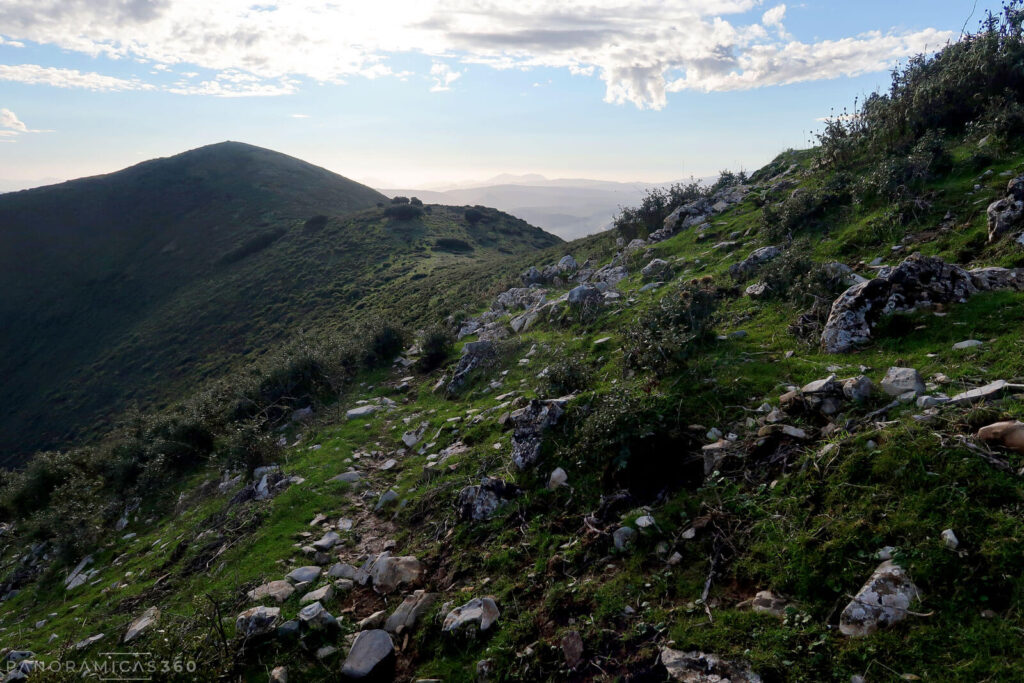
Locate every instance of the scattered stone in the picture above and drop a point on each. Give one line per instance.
(148, 619)
(932, 401)
(315, 617)
(655, 269)
(584, 295)
(256, 621)
(388, 573)
(278, 590)
(322, 594)
(481, 501)
(347, 477)
(623, 537)
(304, 574)
(967, 344)
(750, 265)
(372, 656)
(387, 498)
(950, 539)
(289, 630)
(1004, 216)
(882, 601)
(409, 612)
(362, 411)
(1009, 434)
(479, 613)
(474, 355)
(342, 571)
(858, 389)
(558, 478)
(375, 620)
(329, 540)
(572, 649)
(698, 667)
(989, 392)
(899, 381)
(78, 575)
(766, 602)
(279, 675)
(89, 642)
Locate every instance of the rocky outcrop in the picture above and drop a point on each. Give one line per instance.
(409, 612)
(699, 667)
(918, 282)
(148, 620)
(1006, 215)
(529, 424)
(481, 501)
(750, 265)
(474, 355)
(883, 601)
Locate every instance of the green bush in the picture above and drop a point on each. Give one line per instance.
(435, 344)
(568, 376)
(669, 333)
(403, 212)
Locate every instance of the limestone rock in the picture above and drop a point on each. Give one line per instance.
(1009, 434)
(882, 601)
(148, 619)
(304, 574)
(699, 667)
(322, 594)
(529, 424)
(479, 613)
(750, 265)
(409, 612)
(372, 656)
(388, 573)
(313, 616)
(899, 381)
(1004, 216)
(256, 621)
(481, 501)
(278, 590)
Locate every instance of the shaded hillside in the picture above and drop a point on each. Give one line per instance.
(131, 286)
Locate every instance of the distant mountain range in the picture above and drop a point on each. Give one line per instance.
(567, 207)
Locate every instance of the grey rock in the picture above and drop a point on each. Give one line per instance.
(143, 623)
(304, 575)
(313, 616)
(858, 389)
(919, 281)
(362, 411)
(474, 355)
(388, 573)
(882, 601)
(754, 261)
(1004, 216)
(342, 571)
(898, 381)
(967, 344)
(329, 540)
(989, 392)
(375, 620)
(279, 674)
(278, 590)
(78, 575)
(700, 667)
(409, 612)
(347, 477)
(529, 425)
(321, 595)
(623, 537)
(89, 642)
(655, 269)
(478, 613)
(481, 501)
(584, 295)
(387, 498)
(372, 656)
(257, 621)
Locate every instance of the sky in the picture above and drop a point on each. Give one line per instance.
(423, 93)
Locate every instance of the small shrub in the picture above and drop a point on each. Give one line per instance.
(568, 376)
(316, 223)
(435, 344)
(384, 343)
(452, 244)
(473, 216)
(399, 200)
(668, 334)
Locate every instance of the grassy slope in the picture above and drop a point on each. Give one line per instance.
(807, 529)
(130, 288)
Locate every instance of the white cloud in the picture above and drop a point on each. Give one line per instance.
(10, 121)
(300, 116)
(10, 43)
(774, 16)
(11, 127)
(67, 78)
(443, 76)
(642, 49)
